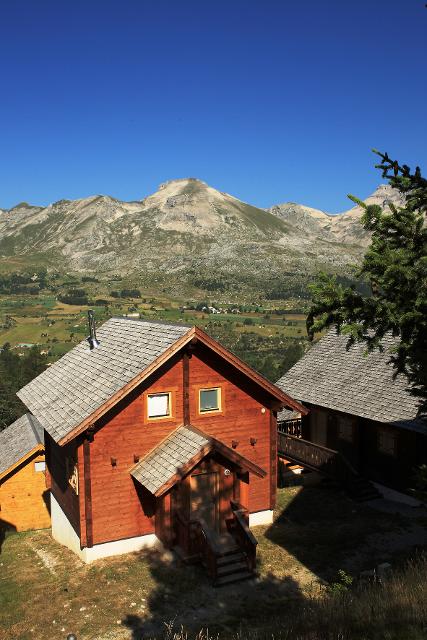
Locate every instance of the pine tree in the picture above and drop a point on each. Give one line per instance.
(395, 266)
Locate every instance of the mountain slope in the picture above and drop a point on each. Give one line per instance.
(186, 231)
(342, 227)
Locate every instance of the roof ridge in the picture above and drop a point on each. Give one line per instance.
(30, 418)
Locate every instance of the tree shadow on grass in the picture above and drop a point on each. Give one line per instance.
(185, 598)
(184, 606)
(327, 531)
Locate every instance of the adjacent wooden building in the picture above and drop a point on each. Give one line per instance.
(24, 499)
(156, 432)
(359, 408)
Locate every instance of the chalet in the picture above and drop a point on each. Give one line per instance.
(23, 495)
(155, 432)
(358, 408)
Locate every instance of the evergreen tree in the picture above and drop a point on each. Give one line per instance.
(395, 267)
(15, 372)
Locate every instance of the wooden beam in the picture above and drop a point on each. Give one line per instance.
(88, 491)
(186, 387)
(273, 458)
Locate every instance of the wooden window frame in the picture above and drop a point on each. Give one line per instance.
(387, 434)
(159, 392)
(210, 412)
(345, 423)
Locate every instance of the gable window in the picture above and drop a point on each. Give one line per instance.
(209, 400)
(159, 405)
(386, 442)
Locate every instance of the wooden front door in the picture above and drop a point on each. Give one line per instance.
(204, 498)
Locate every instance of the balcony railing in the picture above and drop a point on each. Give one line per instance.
(314, 456)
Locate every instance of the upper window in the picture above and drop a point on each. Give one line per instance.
(386, 442)
(345, 429)
(158, 405)
(40, 465)
(210, 400)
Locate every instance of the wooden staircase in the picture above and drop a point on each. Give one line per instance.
(228, 557)
(231, 565)
(328, 462)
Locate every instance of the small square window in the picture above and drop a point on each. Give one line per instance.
(158, 405)
(40, 466)
(210, 400)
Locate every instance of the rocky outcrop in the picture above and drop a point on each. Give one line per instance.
(186, 227)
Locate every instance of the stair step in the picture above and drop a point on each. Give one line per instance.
(231, 568)
(223, 553)
(234, 577)
(236, 556)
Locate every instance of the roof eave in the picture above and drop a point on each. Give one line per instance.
(22, 460)
(194, 332)
(111, 402)
(268, 386)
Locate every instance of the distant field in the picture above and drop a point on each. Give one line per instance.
(268, 335)
(45, 321)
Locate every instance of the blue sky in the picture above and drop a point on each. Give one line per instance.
(270, 100)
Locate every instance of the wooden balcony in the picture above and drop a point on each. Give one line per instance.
(328, 462)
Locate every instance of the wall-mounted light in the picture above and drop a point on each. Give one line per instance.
(253, 441)
(114, 462)
(234, 444)
(135, 458)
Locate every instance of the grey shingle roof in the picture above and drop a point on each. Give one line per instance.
(352, 382)
(288, 414)
(161, 464)
(18, 439)
(80, 382)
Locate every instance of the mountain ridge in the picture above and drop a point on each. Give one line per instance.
(189, 229)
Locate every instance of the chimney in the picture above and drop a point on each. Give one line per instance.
(93, 342)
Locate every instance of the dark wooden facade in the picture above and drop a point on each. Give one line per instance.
(382, 452)
(90, 476)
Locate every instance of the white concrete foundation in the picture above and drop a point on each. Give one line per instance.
(63, 532)
(260, 517)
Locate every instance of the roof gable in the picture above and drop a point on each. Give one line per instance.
(83, 380)
(349, 381)
(18, 441)
(84, 384)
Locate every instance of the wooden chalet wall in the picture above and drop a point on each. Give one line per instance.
(240, 420)
(363, 451)
(58, 478)
(120, 507)
(24, 497)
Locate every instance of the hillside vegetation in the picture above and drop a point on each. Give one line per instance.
(187, 236)
(42, 316)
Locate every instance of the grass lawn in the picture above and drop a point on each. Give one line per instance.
(47, 592)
